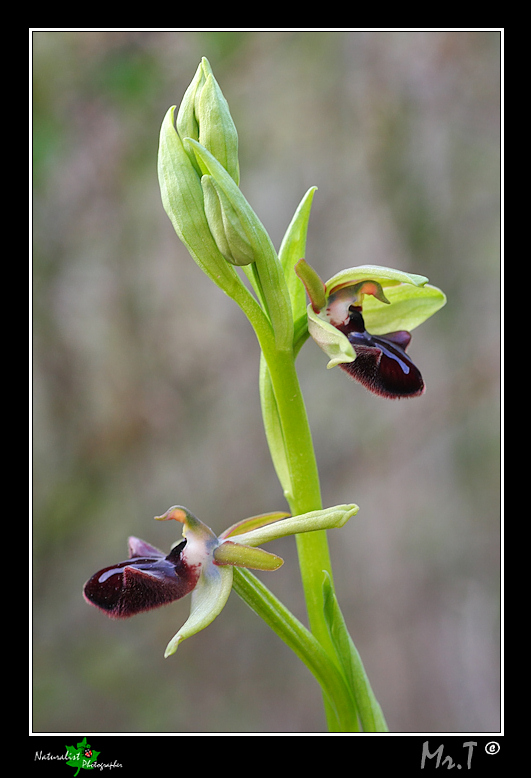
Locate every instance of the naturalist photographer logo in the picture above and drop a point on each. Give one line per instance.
(81, 757)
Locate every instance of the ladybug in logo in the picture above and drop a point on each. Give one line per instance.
(88, 752)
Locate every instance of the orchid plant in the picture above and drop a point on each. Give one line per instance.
(361, 318)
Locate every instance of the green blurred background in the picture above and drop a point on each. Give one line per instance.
(145, 374)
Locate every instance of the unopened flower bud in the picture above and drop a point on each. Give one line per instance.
(204, 116)
(225, 225)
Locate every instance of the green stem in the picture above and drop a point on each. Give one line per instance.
(293, 453)
(339, 700)
(289, 436)
(303, 491)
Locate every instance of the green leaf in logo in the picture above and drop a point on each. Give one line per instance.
(82, 756)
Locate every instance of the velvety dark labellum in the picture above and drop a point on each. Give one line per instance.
(381, 363)
(145, 581)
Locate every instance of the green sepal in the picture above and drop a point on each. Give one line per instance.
(386, 276)
(369, 711)
(329, 518)
(208, 600)
(409, 307)
(231, 553)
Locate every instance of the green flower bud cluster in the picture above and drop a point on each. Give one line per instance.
(199, 181)
(193, 205)
(204, 116)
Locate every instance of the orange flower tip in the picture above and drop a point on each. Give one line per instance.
(173, 513)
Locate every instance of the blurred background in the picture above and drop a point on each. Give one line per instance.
(145, 374)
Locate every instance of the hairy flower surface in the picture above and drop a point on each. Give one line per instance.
(146, 580)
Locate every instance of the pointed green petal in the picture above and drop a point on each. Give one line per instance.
(208, 600)
(230, 553)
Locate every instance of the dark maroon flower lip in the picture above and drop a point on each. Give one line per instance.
(147, 580)
(381, 363)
